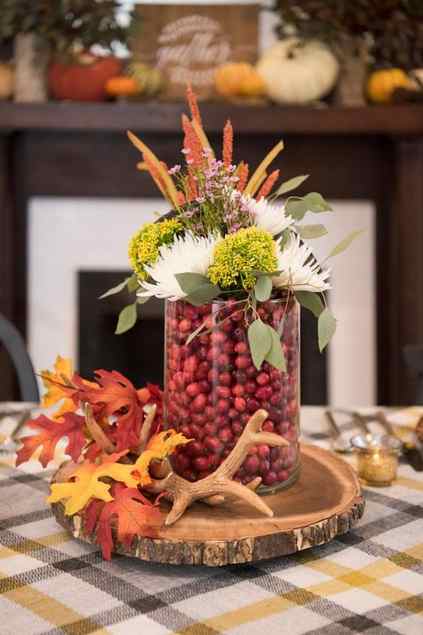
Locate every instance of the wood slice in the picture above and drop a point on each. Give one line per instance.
(326, 501)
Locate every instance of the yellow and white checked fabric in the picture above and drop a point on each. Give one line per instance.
(368, 581)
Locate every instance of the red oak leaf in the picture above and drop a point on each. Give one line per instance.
(50, 433)
(118, 397)
(134, 515)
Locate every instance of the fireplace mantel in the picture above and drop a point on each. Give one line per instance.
(374, 153)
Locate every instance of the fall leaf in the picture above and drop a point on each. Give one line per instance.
(158, 448)
(135, 516)
(50, 433)
(87, 485)
(118, 397)
(59, 387)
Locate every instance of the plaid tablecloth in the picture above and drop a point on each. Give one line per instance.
(370, 580)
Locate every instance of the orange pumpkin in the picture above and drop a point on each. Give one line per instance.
(122, 86)
(84, 79)
(238, 79)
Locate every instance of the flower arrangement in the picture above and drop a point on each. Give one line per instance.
(229, 236)
(109, 434)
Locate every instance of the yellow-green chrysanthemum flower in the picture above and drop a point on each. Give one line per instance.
(145, 244)
(239, 254)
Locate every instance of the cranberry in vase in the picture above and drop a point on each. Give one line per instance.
(212, 388)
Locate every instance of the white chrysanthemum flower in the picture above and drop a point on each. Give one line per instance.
(187, 254)
(272, 218)
(299, 268)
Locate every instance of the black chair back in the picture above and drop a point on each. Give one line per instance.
(14, 344)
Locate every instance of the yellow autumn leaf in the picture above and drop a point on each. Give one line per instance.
(158, 448)
(87, 485)
(58, 384)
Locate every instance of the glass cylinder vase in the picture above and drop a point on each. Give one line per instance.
(212, 388)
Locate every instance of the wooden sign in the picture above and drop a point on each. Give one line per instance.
(188, 42)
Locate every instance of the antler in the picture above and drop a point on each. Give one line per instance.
(146, 428)
(96, 432)
(216, 487)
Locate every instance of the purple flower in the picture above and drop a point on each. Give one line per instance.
(175, 169)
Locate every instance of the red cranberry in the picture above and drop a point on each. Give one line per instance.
(182, 462)
(250, 387)
(240, 404)
(199, 403)
(204, 386)
(225, 435)
(241, 347)
(264, 393)
(210, 429)
(185, 326)
(223, 391)
(225, 379)
(263, 451)
(282, 475)
(194, 448)
(228, 348)
(201, 463)
(262, 379)
(223, 360)
(242, 361)
(252, 405)
(252, 464)
(190, 364)
(213, 444)
(237, 427)
(213, 375)
(268, 479)
(233, 414)
(223, 405)
(238, 390)
(269, 426)
(251, 372)
(193, 390)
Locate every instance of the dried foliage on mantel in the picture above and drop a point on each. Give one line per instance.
(325, 502)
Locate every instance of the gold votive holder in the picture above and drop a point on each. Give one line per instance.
(377, 458)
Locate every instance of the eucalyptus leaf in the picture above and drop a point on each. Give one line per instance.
(310, 301)
(316, 203)
(297, 208)
(191, 281)
(133, 283)
(311, 231)
(263, 288)
(326, 327)
(345, 243)
(276, 356)
(127, 319)
(198, 288)
(290, 185)
(260, 341)
(117, 289)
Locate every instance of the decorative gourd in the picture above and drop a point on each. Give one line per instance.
(122, 86)
(149, 79)
(381, 84)
(296, 72)
(238, 79)
(84, 79)
(7, 81)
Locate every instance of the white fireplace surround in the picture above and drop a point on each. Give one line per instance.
(68, 235)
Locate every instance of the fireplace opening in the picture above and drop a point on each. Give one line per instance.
(138, 354)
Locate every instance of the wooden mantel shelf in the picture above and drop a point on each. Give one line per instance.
(162, 117)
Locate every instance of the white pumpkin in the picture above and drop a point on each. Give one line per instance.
(297, 72)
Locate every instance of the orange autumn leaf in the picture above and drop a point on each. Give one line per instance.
(131, 513)
(118, 396)
(87, 483)
(49, 434)
(158, 448)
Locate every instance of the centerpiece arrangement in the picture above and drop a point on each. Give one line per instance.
(232, 262)
(233, 265)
